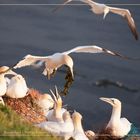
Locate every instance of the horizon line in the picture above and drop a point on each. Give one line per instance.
(31, 4)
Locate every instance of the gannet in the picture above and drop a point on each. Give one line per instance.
(78, 133)
(53, 62)
(56, 113)
(17, 87)
(44, 101)
(63, 129)
(98, 9)
(4, 70)
(118, 127)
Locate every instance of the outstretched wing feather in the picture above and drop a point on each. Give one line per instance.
(127, 15)
(96, 49)
(29, 60)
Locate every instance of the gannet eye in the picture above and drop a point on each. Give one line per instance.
(113, 101)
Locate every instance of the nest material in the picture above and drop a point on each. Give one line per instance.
(26, 107)
(105, 134)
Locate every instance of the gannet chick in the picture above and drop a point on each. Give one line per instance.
(98, 9)
(118, 127)
(17, 87)
(44, 101)
(56, 113)
(63, 129)
(4, 70)
(53, 62)
(78, 133)
(90, 134)
(1, 101)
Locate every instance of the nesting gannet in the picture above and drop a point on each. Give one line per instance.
(44, 101)
(98, 8)
(63, 129)
(118, 127)
(17, 87)
(53, 62)
(4, 70)
(78, 133)
(56, 113)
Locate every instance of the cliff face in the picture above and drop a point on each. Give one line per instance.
(26, 107)
(17, 118)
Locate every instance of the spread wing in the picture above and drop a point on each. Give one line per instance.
(95, 49)
(127, 15)
(30, 60)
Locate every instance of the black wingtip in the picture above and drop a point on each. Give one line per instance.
(120, 55)
(136, 36)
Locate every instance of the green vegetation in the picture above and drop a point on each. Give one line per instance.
(12, 127)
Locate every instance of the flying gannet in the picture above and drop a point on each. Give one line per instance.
(63, 129)
(98, 8)
(56, 113)
(17, 87)
(53, 62)
(117, 126)
(4, 70)
(78, 133)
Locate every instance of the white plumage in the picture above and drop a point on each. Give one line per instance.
(78, 133)
(45, 101)
(119, 127)
(56, 113)
(4, 70)
(17, 87)
(99, 8)
(63, 129)
(53, 62)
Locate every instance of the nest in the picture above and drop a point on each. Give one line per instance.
(26, 107)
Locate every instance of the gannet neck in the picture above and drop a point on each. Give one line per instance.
(57, 110)
(116, 114)
(78, 125)
(67, 117)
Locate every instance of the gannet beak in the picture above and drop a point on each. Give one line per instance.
(71, 70)
(8, 71)
(56, 92)
(108, 100)
(11, 72)
(104, 15)
(53, 95)
(48, 75)
(106, 11)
